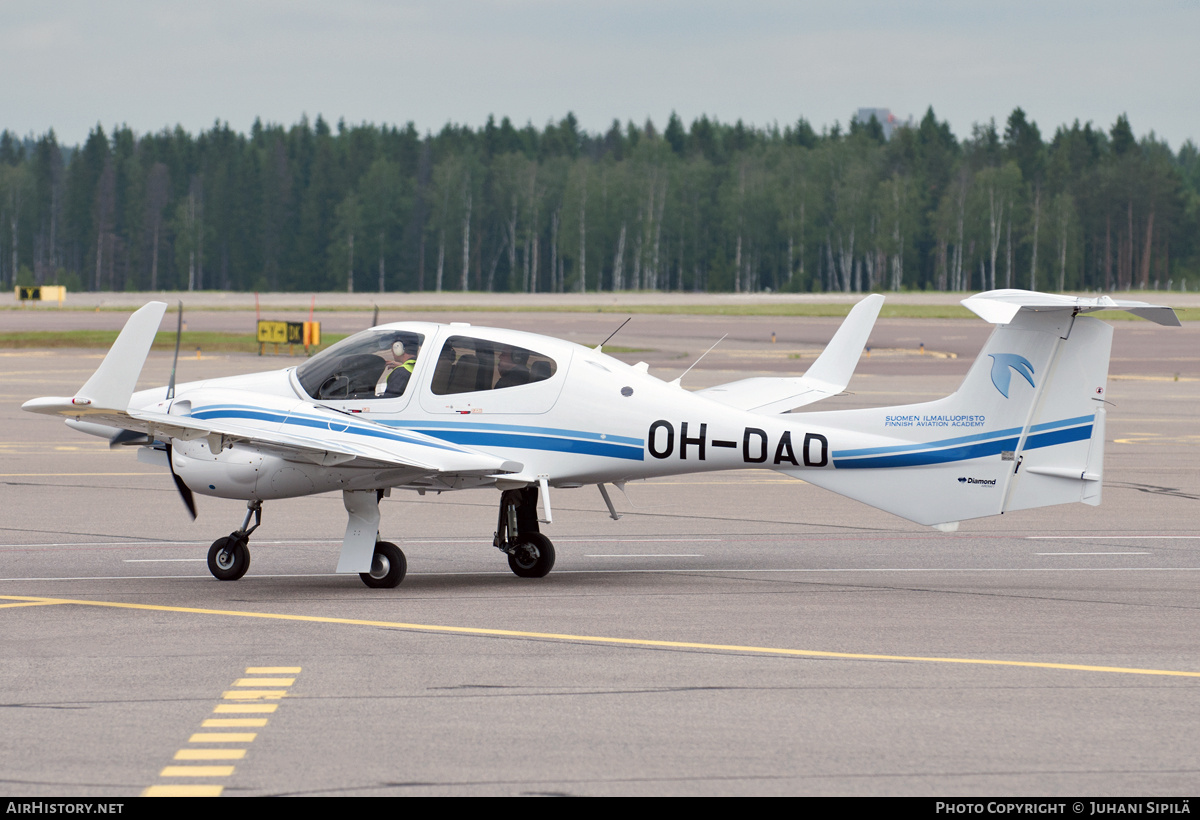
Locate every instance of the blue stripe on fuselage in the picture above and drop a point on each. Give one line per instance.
(965, 448)
(464, 433)
(483, 438)
(946, 454)
(518, 428)
(348, 425)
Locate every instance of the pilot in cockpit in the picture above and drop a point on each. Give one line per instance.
(396, 373)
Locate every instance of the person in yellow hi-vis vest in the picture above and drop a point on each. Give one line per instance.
(394, 379)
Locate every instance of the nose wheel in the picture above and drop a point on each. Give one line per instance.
(229, 557)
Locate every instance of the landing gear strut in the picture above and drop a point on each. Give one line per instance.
(530, 554)
(361, 548)
(229, 557)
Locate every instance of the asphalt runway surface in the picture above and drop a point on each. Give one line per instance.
(733, 633)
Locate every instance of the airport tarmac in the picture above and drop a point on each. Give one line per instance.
(735, 633)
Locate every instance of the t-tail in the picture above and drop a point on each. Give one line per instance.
(1025, 429)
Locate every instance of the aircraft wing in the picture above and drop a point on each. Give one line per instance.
(292, 430)
(336, 439)
(828, 376)
(327, 437)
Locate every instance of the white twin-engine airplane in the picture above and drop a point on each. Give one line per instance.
(429, 407)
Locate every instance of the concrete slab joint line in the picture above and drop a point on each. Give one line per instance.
(205, 758)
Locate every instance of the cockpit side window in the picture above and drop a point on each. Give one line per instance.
(372, 364)
(469, 365)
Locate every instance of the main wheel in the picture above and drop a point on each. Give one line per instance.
(532, 557)
(228, 558)
(387, 567)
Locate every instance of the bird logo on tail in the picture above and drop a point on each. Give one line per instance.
(1002, 366)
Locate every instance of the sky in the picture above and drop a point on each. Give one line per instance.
(154, 64)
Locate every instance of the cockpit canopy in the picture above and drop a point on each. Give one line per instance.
(379, 364)
(371, 364)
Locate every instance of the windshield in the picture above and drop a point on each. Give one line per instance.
(371, 364)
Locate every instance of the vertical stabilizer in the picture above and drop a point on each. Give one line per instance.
(1025, 429)
(1060, 457)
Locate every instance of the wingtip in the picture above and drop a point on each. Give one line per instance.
(50, 406)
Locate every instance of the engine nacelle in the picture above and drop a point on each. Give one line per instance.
(231, 473)
(241, 473)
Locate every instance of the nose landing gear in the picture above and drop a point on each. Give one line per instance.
(229, 557)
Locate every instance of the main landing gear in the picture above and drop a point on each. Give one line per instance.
(388, 567)
(530, 554)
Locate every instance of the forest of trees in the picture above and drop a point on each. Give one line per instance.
(712, 207)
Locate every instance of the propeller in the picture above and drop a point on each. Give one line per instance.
(175, 363)
(185, 492)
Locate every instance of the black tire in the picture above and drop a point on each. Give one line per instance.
(388, 567)
(532, 557)
(228, 558)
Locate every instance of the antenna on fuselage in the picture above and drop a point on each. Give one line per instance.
(614, 333)
(175, 363)
(693, 364)
(375, 318)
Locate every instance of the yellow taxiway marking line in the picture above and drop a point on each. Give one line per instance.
(597, 639)
(210, 754)
(233, 723)
(245, 708)
(254, 694)
(183, 791)
(272, 670)
(222, 737)
(264, 681)
(28, 603)
(193, 754)
(196, 771)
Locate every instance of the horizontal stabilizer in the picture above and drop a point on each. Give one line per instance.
(827, 376)
(1000, 306)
